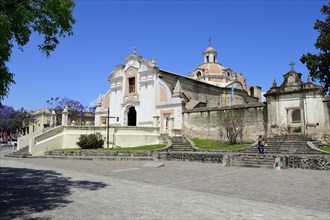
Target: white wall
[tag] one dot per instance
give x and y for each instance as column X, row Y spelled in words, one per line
column 63, row 137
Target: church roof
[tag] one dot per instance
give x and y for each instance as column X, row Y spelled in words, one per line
column 213, row 68
column 210, row 49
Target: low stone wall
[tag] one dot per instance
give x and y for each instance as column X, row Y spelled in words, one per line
column 192, row 156
column 104, row 153
column 312, row 162
column 309, row 162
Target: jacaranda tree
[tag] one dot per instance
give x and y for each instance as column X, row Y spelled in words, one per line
column 13, row 121
column 74, row 107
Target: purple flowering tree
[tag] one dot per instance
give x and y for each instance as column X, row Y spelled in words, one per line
column 75, row 108
column 13, row 121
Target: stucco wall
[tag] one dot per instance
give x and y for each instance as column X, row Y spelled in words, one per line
column 67, row 136
column 205, row 122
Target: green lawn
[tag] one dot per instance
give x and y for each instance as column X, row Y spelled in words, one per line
column 326, row 148
column 215, row 145
column 140, row 148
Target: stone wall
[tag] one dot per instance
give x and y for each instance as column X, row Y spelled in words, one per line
column 311, row 162
column 205, row 122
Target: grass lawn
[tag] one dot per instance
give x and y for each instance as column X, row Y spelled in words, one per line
column 140, row 148
column 326, row 148
column 215, row 145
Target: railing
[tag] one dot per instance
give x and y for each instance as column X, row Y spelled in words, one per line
column 25, row 140
column 48, row 134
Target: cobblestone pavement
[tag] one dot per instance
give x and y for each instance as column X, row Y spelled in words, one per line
column 73, row 189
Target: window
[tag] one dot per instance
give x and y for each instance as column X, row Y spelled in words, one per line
column 198, row 74
column 296, row 115
column 103, row 121
column 207, row 58
column 131, row 85
column 252, row 91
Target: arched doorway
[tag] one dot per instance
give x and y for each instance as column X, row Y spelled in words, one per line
column 131, row 116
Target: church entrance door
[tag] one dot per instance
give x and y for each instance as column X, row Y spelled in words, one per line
column 131, row 116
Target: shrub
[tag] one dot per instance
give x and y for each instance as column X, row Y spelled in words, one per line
column 297, row 130
column 90, row 141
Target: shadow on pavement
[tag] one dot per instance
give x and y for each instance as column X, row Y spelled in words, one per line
column 26, row 191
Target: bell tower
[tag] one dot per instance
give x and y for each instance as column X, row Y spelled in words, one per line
column 210, row 54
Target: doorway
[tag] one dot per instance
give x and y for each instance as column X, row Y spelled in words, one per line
column 131, row 116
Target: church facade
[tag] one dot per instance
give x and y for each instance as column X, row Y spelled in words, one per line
column 141, row 94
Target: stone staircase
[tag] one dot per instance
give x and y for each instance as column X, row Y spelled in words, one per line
column 22, row 153
column 180, row 143
column 285, row 145
column 253, row 160
column 277, row 146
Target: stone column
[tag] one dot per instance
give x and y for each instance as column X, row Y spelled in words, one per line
column 53, row 119
column 65, row 116
column 156, row 121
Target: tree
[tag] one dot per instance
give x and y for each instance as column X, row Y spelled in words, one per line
column 319, row 64
column 232, row 121
column 75, row 108
column 19, row 18
column 13, row 121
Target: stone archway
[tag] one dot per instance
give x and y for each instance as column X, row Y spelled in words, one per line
column 131, row 116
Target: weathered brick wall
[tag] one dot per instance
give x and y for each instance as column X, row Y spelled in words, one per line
column 205, row 122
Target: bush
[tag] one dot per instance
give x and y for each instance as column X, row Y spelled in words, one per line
column 90, row 141
column 297, row 130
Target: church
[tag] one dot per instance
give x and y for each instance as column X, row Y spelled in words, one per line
column 142, row 94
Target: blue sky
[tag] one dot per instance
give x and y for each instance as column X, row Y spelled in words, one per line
column 256, row 38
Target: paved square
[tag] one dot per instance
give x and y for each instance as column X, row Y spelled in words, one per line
column 73, row 189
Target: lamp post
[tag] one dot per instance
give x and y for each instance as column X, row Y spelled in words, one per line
column 108, row 127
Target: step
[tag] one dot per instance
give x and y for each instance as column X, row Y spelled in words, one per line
column 96, row 158
column 252, row 165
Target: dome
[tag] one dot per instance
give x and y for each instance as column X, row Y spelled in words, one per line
column 210, row 49
column 213, row 68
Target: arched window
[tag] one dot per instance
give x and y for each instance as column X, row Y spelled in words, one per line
column 198, row 74
column 296, row 115
column 252, row 91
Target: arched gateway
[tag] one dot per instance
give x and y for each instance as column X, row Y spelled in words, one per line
column 131, row 116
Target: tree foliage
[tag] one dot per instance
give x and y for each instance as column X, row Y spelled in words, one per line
column 13, row 121
column 232, row 121
column 74, row 107
column 19, row 18
column 319, row 64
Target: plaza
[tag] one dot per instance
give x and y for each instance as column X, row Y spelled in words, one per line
column 76, row 189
